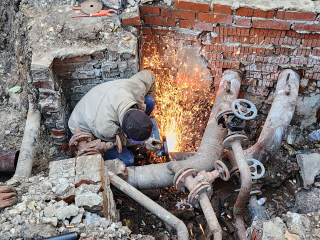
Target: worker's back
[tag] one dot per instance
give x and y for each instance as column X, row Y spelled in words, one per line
column 101, row 110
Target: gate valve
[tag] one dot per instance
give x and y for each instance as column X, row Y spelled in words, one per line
column 244, row 109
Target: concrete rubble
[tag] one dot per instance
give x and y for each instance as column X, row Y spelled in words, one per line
column 309, row 167
column 290, row 226
column 42, row 212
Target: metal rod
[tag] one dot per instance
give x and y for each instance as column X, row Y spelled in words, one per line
column 278, row 119
column 210, row 150
column 244, row 194
column 210, row 216
column 156, row 209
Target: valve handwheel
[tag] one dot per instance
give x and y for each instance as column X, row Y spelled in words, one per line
column 244, row 109
column 256, row 167
column 117, row 143
column 224, row 173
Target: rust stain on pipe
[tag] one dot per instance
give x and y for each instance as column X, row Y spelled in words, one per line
column 156, row 209
column 278, row 119
column 158, row 175
column 8, row 161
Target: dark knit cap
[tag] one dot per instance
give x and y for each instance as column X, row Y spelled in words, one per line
column 137, row 125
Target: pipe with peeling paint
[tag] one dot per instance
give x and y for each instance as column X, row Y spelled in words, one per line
column 210, row 150
column 29, row 140
column 279, row 117
column 156, row 209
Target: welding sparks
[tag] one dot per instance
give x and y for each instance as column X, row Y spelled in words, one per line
column 201, row 229
column 191, row 232
column 183, row 96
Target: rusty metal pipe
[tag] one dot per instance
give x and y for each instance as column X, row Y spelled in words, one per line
column 8, row 161
column 279, row 117
column 244, row 194
column 29, row 141
column 158, row 175
column 156, row 209
column 211, row 218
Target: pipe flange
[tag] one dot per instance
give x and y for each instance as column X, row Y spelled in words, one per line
column 77, row 138
column 181, row 176
column 227, row 142
column 203, row 187
column 220, row 118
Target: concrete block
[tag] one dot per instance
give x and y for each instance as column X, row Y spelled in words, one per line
column 62, row 168
column 309, row 167
column 89, row 169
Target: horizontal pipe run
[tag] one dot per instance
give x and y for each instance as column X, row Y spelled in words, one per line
column 210, row 150
column 153, row 207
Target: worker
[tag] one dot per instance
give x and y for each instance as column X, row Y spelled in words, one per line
column 119, row 107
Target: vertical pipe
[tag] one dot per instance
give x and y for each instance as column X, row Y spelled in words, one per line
column 244, row 194
column 153, row 207
column 210, row 216
column 279, row 117
column 28, row 144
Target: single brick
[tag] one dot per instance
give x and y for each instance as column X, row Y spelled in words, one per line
column 271, row 24
column 63, row 68
column 223, row 9
column 246, row 12
column 263, row 14
column 314, row 27
column 243, row 22
column 197, row 7
column 44, row 84
column 164, row 32
column 298, row 16
column 146, row 10
column 58, row 132
column 146, row 31
column 316, row 52
column 131, row 18
column 215, row 18
column 160, row 21
column 196, row 25
column 84, row 58
column 178, row 14
column 151, row 38
column 220, row 39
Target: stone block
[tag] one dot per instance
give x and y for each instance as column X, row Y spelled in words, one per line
column 90, row 201
column 309, row 167
column 89, row 169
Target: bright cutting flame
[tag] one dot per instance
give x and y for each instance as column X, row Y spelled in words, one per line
column 183, row 96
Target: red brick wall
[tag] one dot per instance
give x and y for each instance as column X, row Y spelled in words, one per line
column 257, row 42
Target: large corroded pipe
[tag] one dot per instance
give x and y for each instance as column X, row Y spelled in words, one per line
column 156, row 209
column 158, row 175
column 279, row 117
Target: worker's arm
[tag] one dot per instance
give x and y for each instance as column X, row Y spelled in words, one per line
column 148, row 79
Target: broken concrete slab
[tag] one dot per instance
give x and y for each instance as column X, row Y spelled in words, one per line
column 274, row 229
column 88, row 169
column 67, row 212
column 307, row 201
column 297, row 224
column 309, row 167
